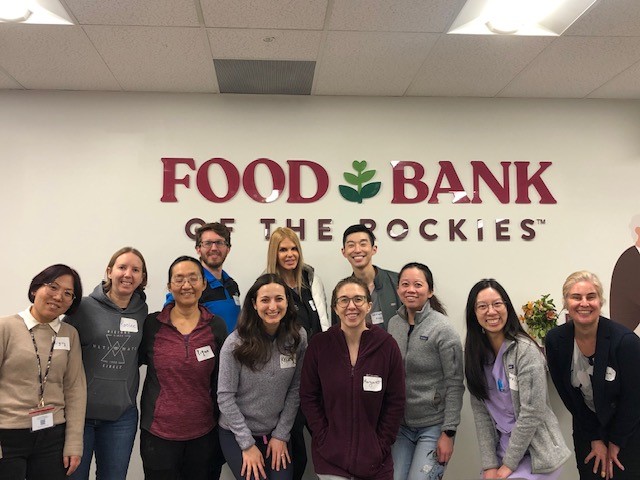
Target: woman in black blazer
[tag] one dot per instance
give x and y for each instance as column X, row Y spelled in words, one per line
column 594, row 365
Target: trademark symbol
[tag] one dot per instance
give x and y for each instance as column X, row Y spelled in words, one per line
column 541, row 221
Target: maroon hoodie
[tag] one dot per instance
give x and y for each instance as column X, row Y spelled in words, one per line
column 354, row 413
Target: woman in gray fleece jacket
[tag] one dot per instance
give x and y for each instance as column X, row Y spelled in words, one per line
column 432, row 355
column 259, row 383
column 518, row 433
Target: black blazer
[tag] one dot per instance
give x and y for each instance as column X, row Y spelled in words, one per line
column 615, row 381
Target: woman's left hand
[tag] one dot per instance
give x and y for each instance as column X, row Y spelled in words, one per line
column 71, row 463
column 444, row 448
column 277, row 449
column 504, row 472
column 614, row 450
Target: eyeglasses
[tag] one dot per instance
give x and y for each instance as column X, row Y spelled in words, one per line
column 53, row 288
column 358, row 301
column 484, row 307
column 191, row 280
column 211, row 243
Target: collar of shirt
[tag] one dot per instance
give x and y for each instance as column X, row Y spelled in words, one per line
column 31, row 322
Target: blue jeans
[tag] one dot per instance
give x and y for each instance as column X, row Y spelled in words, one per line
column 112, row 442
column 414, row 454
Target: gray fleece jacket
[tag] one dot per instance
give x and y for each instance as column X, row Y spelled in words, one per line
column 536, row 430
column 433, row 364
column 261, row 402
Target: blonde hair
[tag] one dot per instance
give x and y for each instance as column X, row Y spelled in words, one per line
column 112, row 262
column 278, row 235
column 582, row 276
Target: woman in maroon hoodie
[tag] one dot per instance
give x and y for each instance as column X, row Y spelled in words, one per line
column 352, row 391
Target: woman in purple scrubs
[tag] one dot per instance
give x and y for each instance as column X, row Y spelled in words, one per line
column 518, row 433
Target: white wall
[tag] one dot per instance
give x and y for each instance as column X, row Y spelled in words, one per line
column 82, row 176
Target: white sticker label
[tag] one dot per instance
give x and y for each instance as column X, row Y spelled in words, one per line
column 128, row 325
column 204, row 353
column 236, row 299
column 372, row 383
column 287, row 362
column 513, row 382
column 40, row 422
column 62, row 343
column 377, row 318
column 312, row 305
column 610, row 374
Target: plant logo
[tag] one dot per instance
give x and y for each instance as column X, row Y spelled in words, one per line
column 363, row 189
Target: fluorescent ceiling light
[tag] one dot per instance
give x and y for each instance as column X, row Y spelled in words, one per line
column 518, row 17
column 34, row 11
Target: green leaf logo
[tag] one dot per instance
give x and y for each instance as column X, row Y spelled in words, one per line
column 363, row 189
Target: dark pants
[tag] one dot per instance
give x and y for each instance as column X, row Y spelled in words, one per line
column 298, row 447
column 629, row 456
column 218, row 457
column 233, row 455
column 32, row 455
column 177, row 459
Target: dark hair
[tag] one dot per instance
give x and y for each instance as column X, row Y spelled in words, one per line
column 435, row 303
column 49, row 274
column 186, row 258
column 357, row 228
column 254, row 349
column 216, row 227
column 477, row 349
column 112, row 262
column 346, row 281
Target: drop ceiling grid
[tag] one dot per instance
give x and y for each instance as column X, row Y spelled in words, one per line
column 177, row 13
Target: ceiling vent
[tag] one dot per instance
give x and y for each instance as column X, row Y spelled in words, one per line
column 269, row 77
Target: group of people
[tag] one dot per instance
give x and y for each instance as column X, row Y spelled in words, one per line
column 377, row 378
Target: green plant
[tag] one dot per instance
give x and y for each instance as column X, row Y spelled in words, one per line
column 540, row 316
column 364, row 189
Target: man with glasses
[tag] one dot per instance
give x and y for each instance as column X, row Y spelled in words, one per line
column 222, row 295
column 358, row 247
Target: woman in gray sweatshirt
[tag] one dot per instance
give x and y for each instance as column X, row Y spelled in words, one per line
column 259, row 382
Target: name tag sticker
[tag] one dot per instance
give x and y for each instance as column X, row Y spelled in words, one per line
column 610, row 374
column 128, row 325
column 62, row 343
column 376, row 318
column 372, row 383
column 513, row 382
column 287, row 362
column 236, row 299
column 204, row 353
column 312, row 305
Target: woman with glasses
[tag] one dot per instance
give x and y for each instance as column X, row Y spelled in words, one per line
column 352, row 391
column 258, row 389
column 180, row 346
column 284, row 258
column 594, row 365
column 432, row 355
column 518, row 433
column 43, row 392
column 109, row 322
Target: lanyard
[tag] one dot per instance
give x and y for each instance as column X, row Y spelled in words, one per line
column 43, row 380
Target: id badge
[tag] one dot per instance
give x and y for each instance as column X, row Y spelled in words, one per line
column 41, row 418
column 377, row 318
column 372, row 383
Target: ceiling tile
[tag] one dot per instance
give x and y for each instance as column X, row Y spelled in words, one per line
column 624, row 85
column 370, row 63
column 7, row 82
column 609, row 18
column 53, row 57
column 394, row 15
column 477, row 66
column 168, row 59
column 251, row 45
column 135, row 12
column 284, row 14
column 572, row 67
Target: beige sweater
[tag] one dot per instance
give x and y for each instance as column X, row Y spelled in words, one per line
column 65, row 389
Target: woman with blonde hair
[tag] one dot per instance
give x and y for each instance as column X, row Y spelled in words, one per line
column 284, row 258
column 594, row 365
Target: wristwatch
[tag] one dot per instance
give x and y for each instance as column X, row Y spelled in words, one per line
column 450, row 433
